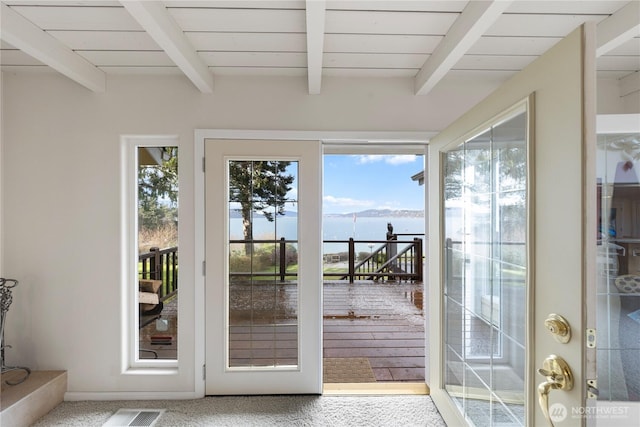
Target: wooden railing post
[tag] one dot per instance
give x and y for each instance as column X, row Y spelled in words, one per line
column 392, row 251
column 283, row 259
column 144, row 273
column 174, row 261
column 155, row 263
column 418, row 270
column 352, row 259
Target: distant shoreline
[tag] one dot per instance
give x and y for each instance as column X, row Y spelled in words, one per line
column 369, row 213
column 380, row 213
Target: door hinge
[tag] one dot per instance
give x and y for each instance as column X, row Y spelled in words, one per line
column 204, row 268
column 204, row 163
column 591, row 338
column 204, row 372
column 592, row 389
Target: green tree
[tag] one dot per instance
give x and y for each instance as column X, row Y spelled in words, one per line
column 453, row 174
column 158, row 189
column 261, row 187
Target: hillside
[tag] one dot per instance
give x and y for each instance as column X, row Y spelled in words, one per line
column 382, row 213
column 369, row 213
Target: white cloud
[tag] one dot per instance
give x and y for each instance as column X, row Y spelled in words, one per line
column 346, row 201
column 399, row 160
column 391, row 160
column 372, row 158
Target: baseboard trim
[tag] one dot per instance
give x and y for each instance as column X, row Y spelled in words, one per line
column 72, row 396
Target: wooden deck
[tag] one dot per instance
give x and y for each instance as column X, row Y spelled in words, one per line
column 382, row 322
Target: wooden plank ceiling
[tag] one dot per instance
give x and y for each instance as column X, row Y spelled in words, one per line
column 423, row 40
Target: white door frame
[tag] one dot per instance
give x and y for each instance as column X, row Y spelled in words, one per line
column 333, row 141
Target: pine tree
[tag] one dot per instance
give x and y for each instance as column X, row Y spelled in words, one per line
column 259, row 187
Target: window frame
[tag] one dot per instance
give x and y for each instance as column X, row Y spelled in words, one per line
column 131, row 363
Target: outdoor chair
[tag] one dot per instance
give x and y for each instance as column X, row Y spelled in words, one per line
column 150, row 307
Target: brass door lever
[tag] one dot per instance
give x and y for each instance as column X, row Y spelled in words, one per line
column 559, row 377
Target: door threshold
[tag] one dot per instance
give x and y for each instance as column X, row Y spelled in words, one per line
column 375, row 388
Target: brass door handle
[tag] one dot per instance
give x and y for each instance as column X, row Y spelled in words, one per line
column 559, row 377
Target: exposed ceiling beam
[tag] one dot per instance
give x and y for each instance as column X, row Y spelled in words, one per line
column 155, row 19
column 315, row 43
column 618, row 28
column 24, row 35
column 472, row 23
column 630, row 84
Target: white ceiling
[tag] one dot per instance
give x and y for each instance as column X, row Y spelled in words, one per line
column 424, row 40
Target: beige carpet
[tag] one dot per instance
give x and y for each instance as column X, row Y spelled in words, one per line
column 261, row 411
column 348, row 370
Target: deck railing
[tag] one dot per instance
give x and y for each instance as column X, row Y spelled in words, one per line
column 161, row 264
column 392, row 260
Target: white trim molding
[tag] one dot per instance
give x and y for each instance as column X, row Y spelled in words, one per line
column 74, row 396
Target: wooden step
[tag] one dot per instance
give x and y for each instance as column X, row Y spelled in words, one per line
column 25, row 403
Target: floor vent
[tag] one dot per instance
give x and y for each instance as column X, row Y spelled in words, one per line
column 134, row 417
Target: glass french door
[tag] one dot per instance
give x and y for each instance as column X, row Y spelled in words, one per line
column 263, row 267
column 486, row 198
column 507, row 228
column 616, row 315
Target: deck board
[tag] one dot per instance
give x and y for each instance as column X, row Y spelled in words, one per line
column 383, row 322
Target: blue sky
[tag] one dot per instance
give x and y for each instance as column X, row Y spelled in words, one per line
column 354, row 183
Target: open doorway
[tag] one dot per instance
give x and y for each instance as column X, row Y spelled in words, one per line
column 373, row 257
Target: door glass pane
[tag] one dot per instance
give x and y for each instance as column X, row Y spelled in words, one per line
column 262, row 265
column 485, row 224
column 618, row 265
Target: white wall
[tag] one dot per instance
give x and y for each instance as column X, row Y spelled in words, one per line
column 1, row 180
column 631, row 103
column 61, row 170
column 611, row 100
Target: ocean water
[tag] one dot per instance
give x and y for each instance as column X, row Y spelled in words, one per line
column 335, row 228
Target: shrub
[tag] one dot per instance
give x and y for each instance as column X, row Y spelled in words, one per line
column 164, row 236
column 266, row 257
